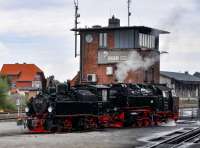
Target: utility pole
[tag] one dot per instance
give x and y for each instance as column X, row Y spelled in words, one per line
column 129, row 13
column 77, row 15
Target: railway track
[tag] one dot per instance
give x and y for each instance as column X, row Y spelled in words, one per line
column 190, row 137
column 7, row 116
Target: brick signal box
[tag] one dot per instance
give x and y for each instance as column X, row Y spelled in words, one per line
column 102, row 48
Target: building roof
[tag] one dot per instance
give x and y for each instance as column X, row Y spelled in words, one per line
column 140, row 28
column 197, row 74
column 26, row 72
column 183, row 77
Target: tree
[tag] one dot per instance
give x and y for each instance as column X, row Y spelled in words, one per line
column 4, row 88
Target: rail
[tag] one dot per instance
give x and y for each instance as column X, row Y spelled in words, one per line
column 179, row 140
column 8, row 116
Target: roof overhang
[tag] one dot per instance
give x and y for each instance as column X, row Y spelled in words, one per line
column 189, row 82
column 181, row 81
column 140, row 28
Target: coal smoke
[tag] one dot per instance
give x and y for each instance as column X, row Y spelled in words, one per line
column 134, row 62
column 172, row 23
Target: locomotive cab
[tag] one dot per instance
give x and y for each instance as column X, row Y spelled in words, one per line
column 103, row 94
column 165, row 99
column 62, row 89
column 101, row 91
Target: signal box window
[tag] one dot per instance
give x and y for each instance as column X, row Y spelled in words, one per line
column 103, row 40
column 146, row 41
column 124, row 39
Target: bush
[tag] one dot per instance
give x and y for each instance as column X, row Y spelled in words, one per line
column 4, row 88
column 23, row 100
column 5, row 102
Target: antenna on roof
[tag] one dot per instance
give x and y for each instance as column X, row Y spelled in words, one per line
column 129, row 13
column 77, row 15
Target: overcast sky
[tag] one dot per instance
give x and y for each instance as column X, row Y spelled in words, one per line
column 39, row 31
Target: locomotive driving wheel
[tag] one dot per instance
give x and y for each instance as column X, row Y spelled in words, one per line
column 146, row 122
column 92, row 122
column 68, row 124
column 139, row 123
column 89, row 123
column 29, row 124
column 49, row 125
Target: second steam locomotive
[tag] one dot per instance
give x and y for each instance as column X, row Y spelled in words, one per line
column 66, row 108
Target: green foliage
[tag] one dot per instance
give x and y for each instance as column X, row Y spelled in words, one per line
column 24, row 101
column 10, row 105
column 3, row 92
column 5, row 102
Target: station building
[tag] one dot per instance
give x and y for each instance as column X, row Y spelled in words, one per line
column 102, row 48
column 25, row 79
column 185, row 85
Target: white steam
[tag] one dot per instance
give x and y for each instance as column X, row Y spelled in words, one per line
column 135, row 61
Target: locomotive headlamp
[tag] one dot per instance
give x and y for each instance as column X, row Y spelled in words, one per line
column 133, row 92
column 134, row 113
column 50, row 109
column 115, row 109
column 164, row 94
column 26, row 109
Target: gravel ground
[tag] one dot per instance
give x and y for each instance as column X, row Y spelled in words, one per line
column 13, row 136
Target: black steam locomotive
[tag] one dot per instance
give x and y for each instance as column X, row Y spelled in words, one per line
column 95, row 106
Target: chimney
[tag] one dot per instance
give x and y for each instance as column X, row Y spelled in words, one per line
column 96, row 26
column 114, row 22
column 186, row 72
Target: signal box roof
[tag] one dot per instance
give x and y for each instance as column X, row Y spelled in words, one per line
column 140, row 28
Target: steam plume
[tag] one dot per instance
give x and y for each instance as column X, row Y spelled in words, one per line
column 135, row 61
column 172, row 23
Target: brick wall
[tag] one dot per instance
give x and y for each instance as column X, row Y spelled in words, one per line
column 90, row 65
column 23, row 84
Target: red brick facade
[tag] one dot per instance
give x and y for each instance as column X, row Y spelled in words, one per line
column 91, row 66
column 121, row 41
column 24, row 77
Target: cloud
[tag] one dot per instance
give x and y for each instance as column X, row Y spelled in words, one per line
column 47, row 22
column 39, row 31
column 179, row 61
column 6, row 55
column 3, row 50
column 31, row 4
column 54, row 56
column 63, row 70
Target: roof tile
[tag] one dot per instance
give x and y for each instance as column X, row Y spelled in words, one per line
column 180, row 76
column 26, row 72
